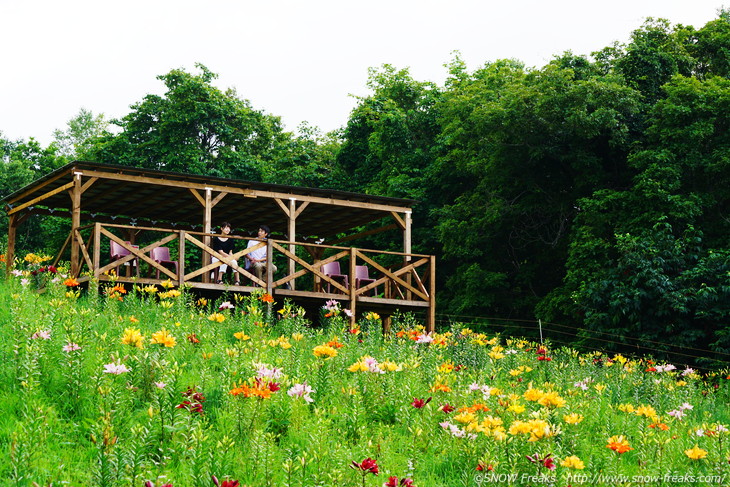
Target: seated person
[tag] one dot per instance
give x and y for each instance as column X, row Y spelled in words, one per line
column 257, row 259
column 224, row 246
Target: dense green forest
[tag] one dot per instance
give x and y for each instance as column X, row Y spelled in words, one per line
column 588, row 192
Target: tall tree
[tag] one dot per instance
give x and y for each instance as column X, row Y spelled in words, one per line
column 390, row 143
column 22, row 162
column 652, row 261
column 525, row 146
column 391, row 135
column 73, row 142
column 307, row 159
column 194, row 128
column 657, row 51
column 711, row 47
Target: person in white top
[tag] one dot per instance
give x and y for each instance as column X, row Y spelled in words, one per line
column 257, row 259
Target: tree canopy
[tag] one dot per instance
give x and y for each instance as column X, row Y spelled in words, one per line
column 194, row 128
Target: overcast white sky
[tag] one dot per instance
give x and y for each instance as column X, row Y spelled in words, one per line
column 300, row 60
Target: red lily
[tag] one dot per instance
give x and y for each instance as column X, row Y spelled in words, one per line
column 546, row 462
column 419, row 403
column 447, row 408
column 366, row 466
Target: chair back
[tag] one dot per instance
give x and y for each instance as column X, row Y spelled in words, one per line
column 160, row 254
column 116, row 251
column 362, row 272
column 331, row 268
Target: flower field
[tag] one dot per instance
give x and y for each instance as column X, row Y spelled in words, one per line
column 152, row 386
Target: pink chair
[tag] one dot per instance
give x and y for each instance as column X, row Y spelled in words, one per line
column 161, row 255
column 332, row 270
column 362, row 278
column 116, row 252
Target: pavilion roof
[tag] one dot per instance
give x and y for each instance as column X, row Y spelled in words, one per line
column 123, row 194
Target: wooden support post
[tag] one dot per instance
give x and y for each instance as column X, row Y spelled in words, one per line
column 269, row 268
column 75, row 224
column 431, row 317
column 292, row 238
column 207, row 214
column 96, row 249
column 181, row 259
column 130, row 235
column 407, row 249
column 407, row 236
column 353, row 295
column 387, row 322
column 388, row 288
column 10, row 254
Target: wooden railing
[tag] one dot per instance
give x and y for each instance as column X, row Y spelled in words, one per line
column 399, row 282
column 400, row 278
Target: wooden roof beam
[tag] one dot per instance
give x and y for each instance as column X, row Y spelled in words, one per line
column 54, row 192
column 398, row 220
column 33, row 189
column 91, row 200
column 197, row 196
column 244, row 191
column 88, row 184
column 218, row 198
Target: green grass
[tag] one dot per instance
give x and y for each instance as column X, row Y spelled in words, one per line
column 63, row 420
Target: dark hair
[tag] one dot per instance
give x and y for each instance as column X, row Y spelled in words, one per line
column 225, row 224
column 266, row 229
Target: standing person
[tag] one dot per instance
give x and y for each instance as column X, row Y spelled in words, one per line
column 224, row 246
column 258, row 258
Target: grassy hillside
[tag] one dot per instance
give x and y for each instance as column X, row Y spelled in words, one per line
column 150, row 385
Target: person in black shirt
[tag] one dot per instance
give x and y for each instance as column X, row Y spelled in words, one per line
column 224, row 246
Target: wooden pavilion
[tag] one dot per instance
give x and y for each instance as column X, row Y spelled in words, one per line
column 139, row 210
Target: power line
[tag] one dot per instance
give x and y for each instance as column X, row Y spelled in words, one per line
column 482, row 320
column 599, row 331
column 638, row 339
column 644, row 348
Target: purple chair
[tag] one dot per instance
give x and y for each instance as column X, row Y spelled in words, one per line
column 362, row 278
column 161, row 255
column 116, row 252
column 332, row 270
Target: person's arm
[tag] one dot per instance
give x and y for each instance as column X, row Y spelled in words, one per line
column 263, row 258
column 226, row 248
column 249, row 257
